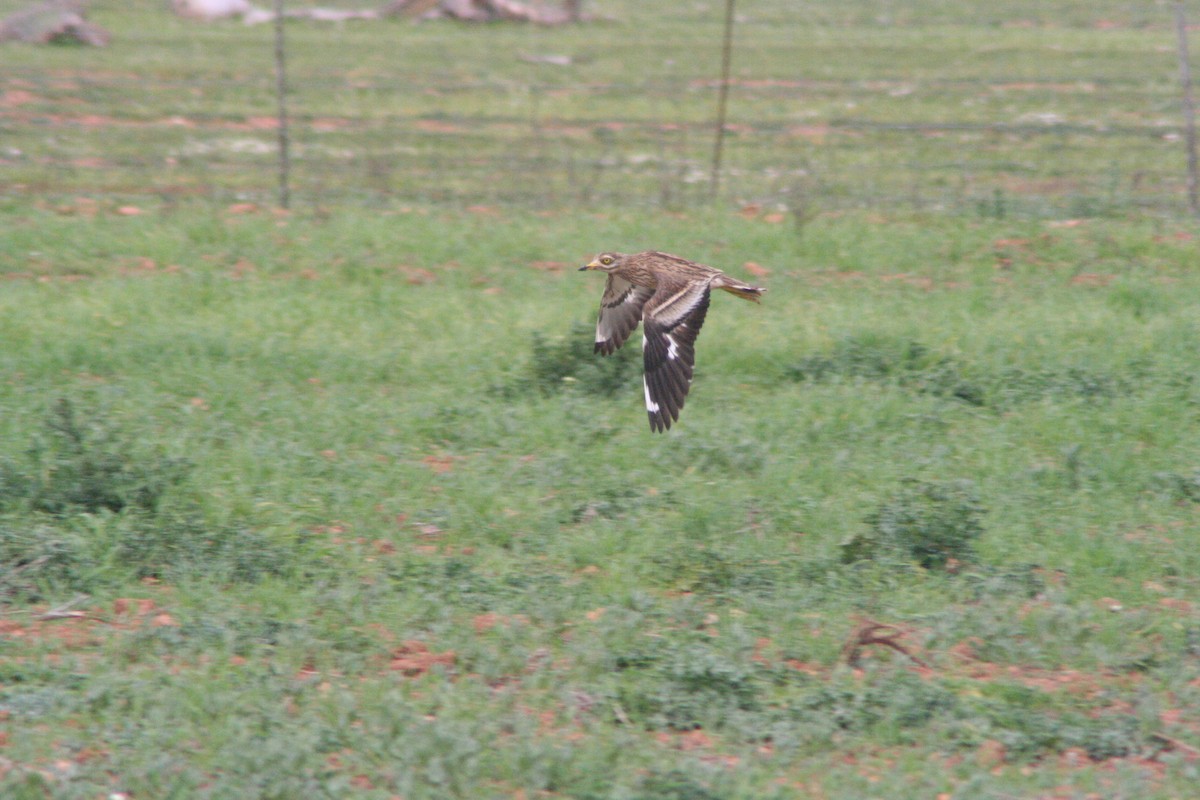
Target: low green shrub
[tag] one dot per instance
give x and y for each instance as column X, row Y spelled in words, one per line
column 86, row 507
column 929, row 522
column 1177, row 487
column 86, row 464
column 913, row 366
column 557, row 363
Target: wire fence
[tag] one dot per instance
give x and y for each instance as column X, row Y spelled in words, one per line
column 603, row 116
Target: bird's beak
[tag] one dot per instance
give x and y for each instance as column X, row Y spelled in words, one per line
column 590, row 265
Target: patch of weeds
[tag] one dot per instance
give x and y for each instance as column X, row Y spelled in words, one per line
column 689, row 686
column 1105, row 736
column 25, row 785
column 243, row 637
column 538, row 586
column 946, row 377
column 453, row 581
column 901, row 701
column 879, row 358
column 929, row 522
column 617, row 502
column 609, row 503
column 673, row 785
column 1191, row 642
column 180, row 542
column 456, row 582
column 36, row 702
column 1028, row 732
column 86, row 465
column 88, row 508
column 911, row 365
column 1072, row 474
column 85, row 552
column 710, row 571
column 869, row 356
column 993, row 206
column 243, row 554
column 889, row 704
column 1142, row 301
column 741, row 457
column 896, row 703
column 1017, row 385
column 1176, row 487
column 1019, row 580
column 635, row 659
column 560, row 362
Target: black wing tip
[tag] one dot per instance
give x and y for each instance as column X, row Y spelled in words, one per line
column 604, row 348
column 660, row 421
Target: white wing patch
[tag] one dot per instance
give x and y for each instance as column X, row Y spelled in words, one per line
column 651, row 406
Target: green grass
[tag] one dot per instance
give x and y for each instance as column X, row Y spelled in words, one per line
column 371, row 454
column 338, row 503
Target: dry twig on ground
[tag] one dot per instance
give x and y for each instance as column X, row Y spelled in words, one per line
column 869, row 632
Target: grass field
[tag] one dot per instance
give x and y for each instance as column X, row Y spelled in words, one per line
column 338, row 503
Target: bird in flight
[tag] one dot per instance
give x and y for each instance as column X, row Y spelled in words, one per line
column 669, row 296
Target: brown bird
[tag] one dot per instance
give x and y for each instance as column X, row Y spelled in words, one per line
column 669, row 295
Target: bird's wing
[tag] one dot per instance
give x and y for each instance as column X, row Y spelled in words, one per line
column 672, row 320
column 620, row 312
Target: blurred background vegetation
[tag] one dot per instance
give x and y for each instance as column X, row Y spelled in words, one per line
column 1012, row 107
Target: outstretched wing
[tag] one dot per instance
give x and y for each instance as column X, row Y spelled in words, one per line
column 672, row 320
column 620, row 312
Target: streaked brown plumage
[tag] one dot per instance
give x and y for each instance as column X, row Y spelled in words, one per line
column 669, row 295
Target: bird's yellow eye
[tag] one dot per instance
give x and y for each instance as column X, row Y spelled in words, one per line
column 606, row 260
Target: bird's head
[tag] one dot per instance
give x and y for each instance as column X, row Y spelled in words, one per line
column 605, row 262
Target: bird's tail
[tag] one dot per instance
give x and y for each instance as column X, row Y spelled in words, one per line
column 742, row 290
